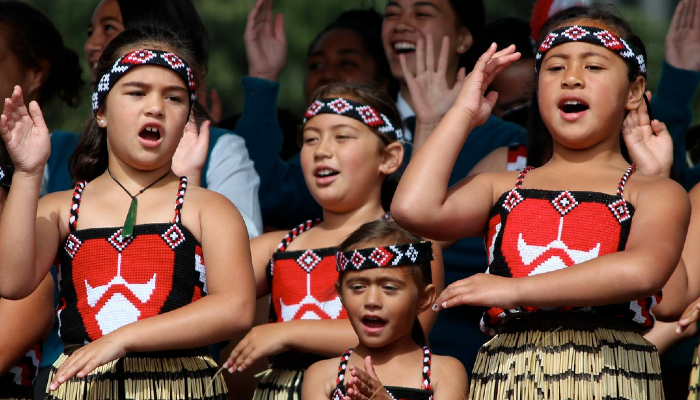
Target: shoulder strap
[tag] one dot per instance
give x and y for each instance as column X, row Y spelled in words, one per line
column 75, row 205
column 427, row 361
column 623, row 180
column 521, row 177
column 296, row 232
column 343, row 367
column 180, row 199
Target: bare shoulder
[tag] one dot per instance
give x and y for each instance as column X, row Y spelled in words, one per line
column 641, row 188
column 268, row 241
column 320, row 379
column 449, row 376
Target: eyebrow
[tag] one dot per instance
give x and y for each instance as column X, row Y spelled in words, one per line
column 104, row 20
column 416, row 4
column 341, row 51
column 582, row 55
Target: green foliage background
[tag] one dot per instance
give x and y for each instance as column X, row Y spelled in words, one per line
column 225, row 20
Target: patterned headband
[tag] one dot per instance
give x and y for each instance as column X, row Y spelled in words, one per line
column 389, row 256
column 137, row 58
column 361, row 112
column 600, row 37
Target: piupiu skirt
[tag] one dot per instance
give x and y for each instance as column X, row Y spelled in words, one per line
column 279, row 384
column 694, row 384
column 557, row 356
column 176, row 375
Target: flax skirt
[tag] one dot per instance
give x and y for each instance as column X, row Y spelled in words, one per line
column 694, row 387
column 280, row 384
column 141, row 377
column 566, row 361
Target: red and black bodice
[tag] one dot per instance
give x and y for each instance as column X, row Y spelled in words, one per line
column 534, row 231
column 396, row 392
column 302, row 282
column 108, row 281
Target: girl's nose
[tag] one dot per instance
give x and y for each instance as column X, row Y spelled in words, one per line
column 572, row 80
column 154, row 108
column 323, row 149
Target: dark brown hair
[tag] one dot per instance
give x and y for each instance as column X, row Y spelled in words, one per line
column 386, row 232
column 90, row 158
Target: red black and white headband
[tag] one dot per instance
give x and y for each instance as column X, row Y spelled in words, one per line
column 138, row 58
column 601, row 37
column 361, row 112
column 388, row 256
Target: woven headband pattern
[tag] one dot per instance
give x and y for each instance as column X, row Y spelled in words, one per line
column 600, row 37
column 361, row 112
column 137, row 58
column 388, row 256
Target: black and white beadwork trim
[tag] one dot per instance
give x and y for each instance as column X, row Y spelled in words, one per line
column 361, row 112
column 389, row 256
column 137, row 58
column 597, row 36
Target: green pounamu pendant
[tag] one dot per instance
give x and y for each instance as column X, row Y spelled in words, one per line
column 128, row 229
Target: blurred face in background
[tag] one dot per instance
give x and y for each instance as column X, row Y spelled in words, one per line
column 106, row 23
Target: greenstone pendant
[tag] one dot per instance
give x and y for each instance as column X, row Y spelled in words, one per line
column 128, row 229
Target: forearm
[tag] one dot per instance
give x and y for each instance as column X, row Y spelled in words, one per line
column 423, row 130
column 212, row 319
column 610, row 279
column 328, row 338
column 422, row 190
column 18, row 237
column 676, row 295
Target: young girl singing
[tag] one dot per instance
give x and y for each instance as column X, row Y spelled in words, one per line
column 350, row 145
column 384, row 288
column 138, row 306
column 570, row 326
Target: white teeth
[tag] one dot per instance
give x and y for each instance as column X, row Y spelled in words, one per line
column 152, row 129
column 571, row 103
column 325, row 172
column 404, row 46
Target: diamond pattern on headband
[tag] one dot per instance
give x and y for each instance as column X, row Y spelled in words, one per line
column 137, row 58
column 597, row 36
column 384, row 256
column 361, row 112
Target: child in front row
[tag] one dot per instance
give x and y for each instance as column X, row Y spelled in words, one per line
column 143, row 296
column 385, row 282
column 590, row 241
column 350, row 148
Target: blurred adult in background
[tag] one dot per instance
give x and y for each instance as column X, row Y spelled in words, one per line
column 33, row 56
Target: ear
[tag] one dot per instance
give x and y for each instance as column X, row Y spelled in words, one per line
column 636, row 91
column 100, row 118
column 465, row 40
column 338, row 289
column 392, row 158
column 34, row 78
column 427, row 298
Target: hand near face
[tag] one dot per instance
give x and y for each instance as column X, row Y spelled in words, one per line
column 431, row 95
column 25, row 134
column 265, row 42
column 690, row 316
column 191, row 153
column 473, row 98
column 87, row 358
column 479, row 290
column 364, row 385
column 649, row 143
column 262, row 341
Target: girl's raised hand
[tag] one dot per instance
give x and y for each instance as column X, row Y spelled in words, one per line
column 473, row 98
column 265, row 42
column 87, row 358
column 364, row 385
column 191, row 153
column 25, row 134
column 649, row 143
column 431, row 95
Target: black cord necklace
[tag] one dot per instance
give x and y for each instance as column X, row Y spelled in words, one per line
column 128, row 229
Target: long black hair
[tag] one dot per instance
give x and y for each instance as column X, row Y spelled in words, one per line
column 90, row 158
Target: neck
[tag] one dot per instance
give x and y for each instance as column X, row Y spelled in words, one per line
column 384, row 354
column 352, row 219
column 135, row 179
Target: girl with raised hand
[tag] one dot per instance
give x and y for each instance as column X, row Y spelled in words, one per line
column 384, row 288
column 571, row 325
column 132, row 289
column 350, row 147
